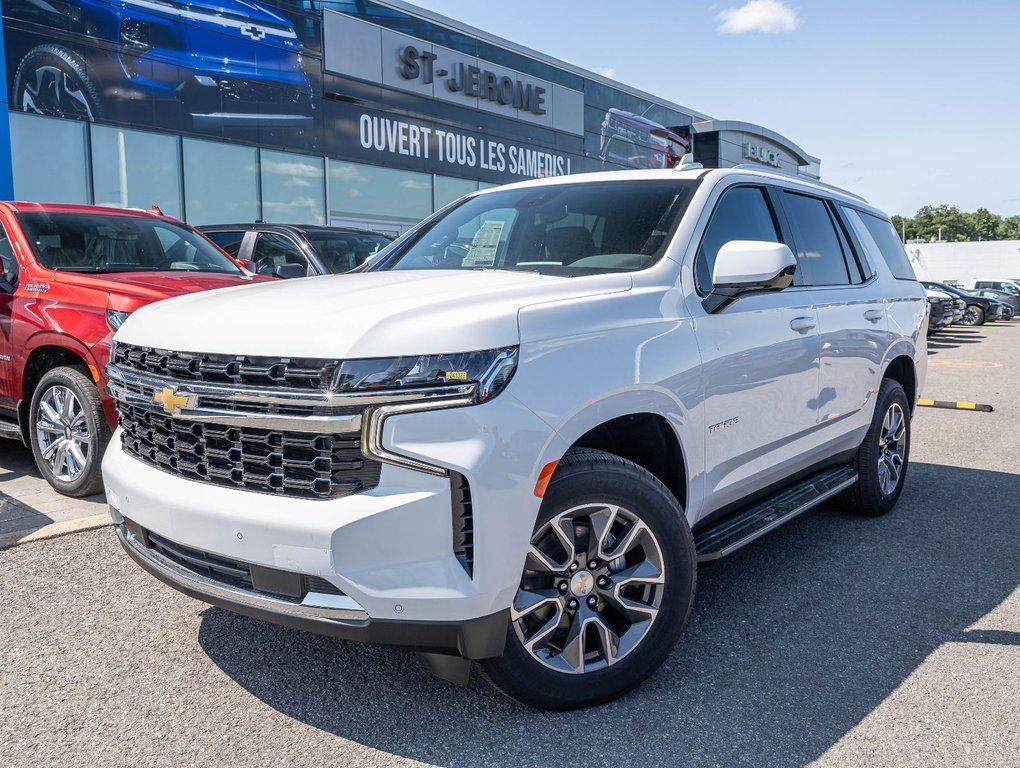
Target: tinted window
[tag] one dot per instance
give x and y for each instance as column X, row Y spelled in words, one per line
column 90, row 242
column 8, row 260
column 564, row 229
column 820, row 257
column 888, row 242
column 272, row 251
column 343, row 251
column 228, row 241
column 743, row 213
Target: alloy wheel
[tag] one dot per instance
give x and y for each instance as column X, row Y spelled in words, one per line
column 62, row 433
column 970, row 316
column 592, row 587
column 892, row 442
column 50, row 90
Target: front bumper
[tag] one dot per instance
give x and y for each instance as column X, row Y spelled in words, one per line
column 326, row 614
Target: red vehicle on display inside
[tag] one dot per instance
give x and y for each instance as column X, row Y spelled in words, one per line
column 632, row 141
column 71, row 276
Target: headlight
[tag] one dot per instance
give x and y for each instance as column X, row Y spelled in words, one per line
column 116, row 319
column 489, row 371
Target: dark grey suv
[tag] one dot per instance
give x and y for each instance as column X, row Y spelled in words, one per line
column 293, row 250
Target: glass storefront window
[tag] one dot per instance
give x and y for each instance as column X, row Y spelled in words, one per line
column 48, row 156
column 135, row 169
column 220, row 185
column 293, row 188
column 449, row 189
column 370, row 191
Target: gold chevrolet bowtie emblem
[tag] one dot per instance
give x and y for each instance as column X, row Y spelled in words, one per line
column 170, row 400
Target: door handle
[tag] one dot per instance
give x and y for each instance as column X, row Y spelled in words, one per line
column 802, row 323
column 874, row 315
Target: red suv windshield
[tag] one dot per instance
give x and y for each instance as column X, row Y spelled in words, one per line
column 97, row 242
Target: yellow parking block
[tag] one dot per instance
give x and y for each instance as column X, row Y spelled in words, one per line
column 954, row 405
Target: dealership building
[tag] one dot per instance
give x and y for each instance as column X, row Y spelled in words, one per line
column 361, row 113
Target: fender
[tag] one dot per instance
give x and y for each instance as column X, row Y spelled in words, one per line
column 54, row 339
column 644, row 399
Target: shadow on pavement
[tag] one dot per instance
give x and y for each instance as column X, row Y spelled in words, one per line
column 792, row 642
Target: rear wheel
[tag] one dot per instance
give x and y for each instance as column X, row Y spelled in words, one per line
column 68, row 431
column 881, row 462
column 607, row 587
column 51, row 80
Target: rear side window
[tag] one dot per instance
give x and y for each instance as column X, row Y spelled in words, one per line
column 228, row 241
column 742, row 213
column 820, row 256
column 880, row 232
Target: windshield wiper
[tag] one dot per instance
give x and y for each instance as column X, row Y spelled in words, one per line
column 92, row 270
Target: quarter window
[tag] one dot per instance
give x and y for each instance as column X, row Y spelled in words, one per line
column 878, row 234
column 820, row 256
column 228, row 241
column 743, row 213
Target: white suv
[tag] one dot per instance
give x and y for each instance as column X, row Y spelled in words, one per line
column 511, row 440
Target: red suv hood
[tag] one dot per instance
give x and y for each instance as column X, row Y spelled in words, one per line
column 146, row 287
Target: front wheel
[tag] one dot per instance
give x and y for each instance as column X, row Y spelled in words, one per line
column 881, row 462
column 68, row 432
column 52, row 80
column 973, row 315
column 607, row 587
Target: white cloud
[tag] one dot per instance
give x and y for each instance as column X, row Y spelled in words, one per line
column 609, row 72
column 412, row 184
column 768, row 16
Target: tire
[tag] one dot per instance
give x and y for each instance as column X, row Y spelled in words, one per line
column 973, row 316
column 872, row 494
column 51, row 80
column 62, row 437
column 646, row 536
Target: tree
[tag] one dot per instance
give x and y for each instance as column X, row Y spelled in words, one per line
column 945, row 221
column 1011, row 228
column 984, row 225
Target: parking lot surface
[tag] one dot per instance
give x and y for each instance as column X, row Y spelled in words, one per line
column 835, row 640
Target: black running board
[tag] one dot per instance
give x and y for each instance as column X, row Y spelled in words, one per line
column 741, row 528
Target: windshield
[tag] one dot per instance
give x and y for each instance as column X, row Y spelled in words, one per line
column 566, row 229
column 343, row 251
column 108, row 242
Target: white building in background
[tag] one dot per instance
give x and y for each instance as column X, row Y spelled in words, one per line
column 963, row 262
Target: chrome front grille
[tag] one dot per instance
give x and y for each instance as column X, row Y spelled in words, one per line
column 300, row 464
column 292, row 373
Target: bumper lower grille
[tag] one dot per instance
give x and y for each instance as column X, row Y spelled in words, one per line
column 236, row 573
column 262, row 460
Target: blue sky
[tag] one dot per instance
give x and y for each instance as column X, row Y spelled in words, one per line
column 907, row 102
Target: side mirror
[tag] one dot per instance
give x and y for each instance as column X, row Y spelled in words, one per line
column 749, row 266
column 251, row 266
column 289, row 271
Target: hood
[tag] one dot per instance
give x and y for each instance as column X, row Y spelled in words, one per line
column 129, row 290
column 369, row 314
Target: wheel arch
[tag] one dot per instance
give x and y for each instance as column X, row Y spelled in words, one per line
column 46, row 354
column 901, row 369
column 647, row 427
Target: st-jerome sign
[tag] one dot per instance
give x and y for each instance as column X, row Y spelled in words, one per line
column 471, row 80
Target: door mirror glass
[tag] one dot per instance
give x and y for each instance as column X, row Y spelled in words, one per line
column 753, row 265
column 289, row 271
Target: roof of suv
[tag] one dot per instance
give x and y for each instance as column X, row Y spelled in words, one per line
column 24, row 207
column 714, row 174
column 263, row 227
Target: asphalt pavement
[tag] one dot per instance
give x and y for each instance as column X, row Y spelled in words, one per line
column 835, row 640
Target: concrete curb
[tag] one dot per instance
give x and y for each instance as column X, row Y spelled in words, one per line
column 55, row 529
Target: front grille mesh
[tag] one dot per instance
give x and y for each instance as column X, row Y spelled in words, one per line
column 262, row 460
column 293, row 373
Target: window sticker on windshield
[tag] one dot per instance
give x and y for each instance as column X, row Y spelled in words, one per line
column 482, row 251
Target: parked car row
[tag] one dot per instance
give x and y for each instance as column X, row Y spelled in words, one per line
column 951, row 305
column 73, row 274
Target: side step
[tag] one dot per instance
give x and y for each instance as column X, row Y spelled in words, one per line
column 9, row 429
column 741, row 528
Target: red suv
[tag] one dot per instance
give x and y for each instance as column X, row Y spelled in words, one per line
column 71, row 276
